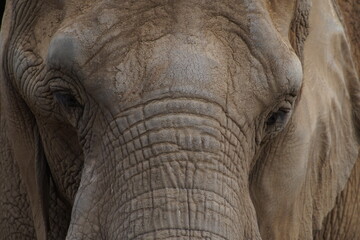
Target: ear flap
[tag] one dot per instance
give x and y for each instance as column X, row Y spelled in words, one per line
column 29, row 156
column 306, row 167
column 330, row 78
column 290, row 17
column 42, row 174
column 282, row 12
column 22, row 130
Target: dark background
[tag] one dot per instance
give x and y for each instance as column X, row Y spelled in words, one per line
column 2, row 8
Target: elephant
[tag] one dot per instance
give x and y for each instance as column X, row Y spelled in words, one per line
column 187, row 119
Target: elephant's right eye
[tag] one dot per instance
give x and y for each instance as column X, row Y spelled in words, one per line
column 69, row 106
column 66, row 99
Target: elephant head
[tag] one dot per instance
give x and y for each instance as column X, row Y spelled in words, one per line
column 177, row 119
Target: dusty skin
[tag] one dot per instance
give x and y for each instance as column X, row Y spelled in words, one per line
column 180, row 119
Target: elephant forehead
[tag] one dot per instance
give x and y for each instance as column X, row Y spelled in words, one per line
column 195, row 66
column 176, row 45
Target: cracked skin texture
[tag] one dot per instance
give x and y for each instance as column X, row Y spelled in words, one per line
column 179, row 120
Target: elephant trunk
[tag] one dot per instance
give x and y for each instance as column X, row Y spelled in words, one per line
column 169, row 169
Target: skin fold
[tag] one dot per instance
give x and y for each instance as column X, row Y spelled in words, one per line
column 179, row 120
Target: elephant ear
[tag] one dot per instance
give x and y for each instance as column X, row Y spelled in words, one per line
column 330, row 102
column 28, row 154
column 21, row 126
column 290, row 17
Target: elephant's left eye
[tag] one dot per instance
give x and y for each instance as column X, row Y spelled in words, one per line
column 278, row 119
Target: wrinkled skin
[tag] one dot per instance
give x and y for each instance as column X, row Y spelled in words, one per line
column 179, row 120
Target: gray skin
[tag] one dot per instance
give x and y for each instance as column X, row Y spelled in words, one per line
column 178, row 120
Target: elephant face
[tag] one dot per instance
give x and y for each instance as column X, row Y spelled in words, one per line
column 162, row 120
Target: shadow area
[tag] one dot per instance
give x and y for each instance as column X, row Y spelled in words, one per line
column 2, row 9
